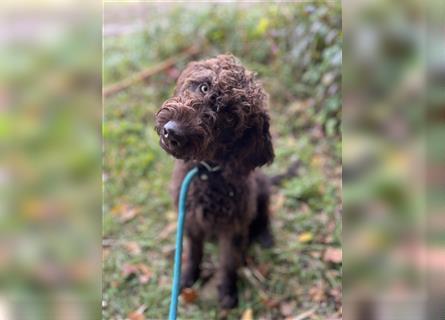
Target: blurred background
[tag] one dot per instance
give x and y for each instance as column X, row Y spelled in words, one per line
column 393, row 152
column 392, row 127
column 295, row 48
column 50, row 133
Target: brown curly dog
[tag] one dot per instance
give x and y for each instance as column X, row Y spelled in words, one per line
column 217, row 120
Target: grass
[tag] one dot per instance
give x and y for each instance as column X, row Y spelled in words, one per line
column 138, row 224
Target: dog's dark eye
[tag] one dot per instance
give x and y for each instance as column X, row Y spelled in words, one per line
column 204, row 88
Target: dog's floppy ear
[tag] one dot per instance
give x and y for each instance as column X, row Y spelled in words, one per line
column 255, row 146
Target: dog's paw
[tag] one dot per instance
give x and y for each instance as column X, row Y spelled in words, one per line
column 266, row 240
column 228, row 301
column 188, row 279
column 228, row 297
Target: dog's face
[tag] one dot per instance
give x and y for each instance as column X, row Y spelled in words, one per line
column 218, row 113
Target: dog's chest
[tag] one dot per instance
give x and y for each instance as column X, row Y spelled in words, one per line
column 215, row 200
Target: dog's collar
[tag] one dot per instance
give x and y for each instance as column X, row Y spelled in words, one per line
column 205, row 170
column 208, row 167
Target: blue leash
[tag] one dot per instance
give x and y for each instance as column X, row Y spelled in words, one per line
column 179, row 233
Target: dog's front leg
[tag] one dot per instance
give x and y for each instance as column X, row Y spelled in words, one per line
column 231, row 253
column 193, row 259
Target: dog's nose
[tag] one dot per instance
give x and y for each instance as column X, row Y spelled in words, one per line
column 173, row 134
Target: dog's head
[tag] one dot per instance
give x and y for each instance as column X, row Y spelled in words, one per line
column 218, row 113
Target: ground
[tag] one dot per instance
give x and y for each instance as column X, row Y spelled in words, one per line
column 296, row 51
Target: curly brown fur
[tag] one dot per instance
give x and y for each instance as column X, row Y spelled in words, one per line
column 218, row 115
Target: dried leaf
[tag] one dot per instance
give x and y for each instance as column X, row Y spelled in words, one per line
column 262, row 26
column 317, row 161
column 189, row 295
column 42, row 210
column 124, row 212
column 145, row 273
column 315, row 254
column 317, row 293
column 133, row 248
column 171, row 215
column 128, row 270
column 167, row 231
column 287, row 308
column 264, row 269
column 336, row 294
column 334, row 255
column 305, row 237
column 247, row 314
column 137, row 314
column 129, row 214
column 271, row 303
column 140, row 270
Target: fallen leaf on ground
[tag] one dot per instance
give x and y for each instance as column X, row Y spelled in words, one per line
column 167, row 231
column 305, row 237
column 287, row 308
column 133, row 248
column 124, row 212
column 140, row 270
column 315, row 254
column 137, row 314
column 247, row 314
column 317, row 293
column 171, row 215
column 334, row 255
column 264, row 269
column 145, row 273
column 128, row 270
column 317, row 161
column 189, row 295
column 271, row 303
column 336, row 294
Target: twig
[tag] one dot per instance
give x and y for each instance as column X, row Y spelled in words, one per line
column 144, row 74
column 253, row 281
column 257, row 274
column 254, row 271
column 304, row 315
